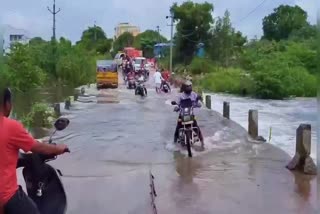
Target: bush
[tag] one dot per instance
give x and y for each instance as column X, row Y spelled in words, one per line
column 76, row 68
column 229, row 80
column 199, row 65
column 279, row 75
column 41, row 115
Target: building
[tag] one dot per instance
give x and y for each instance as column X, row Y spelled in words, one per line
column 126, row 27
column 12, row 35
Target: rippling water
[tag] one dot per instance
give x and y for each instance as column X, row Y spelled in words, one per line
column 282, row 116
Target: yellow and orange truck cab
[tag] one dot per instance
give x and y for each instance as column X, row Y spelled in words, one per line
column 107, row 74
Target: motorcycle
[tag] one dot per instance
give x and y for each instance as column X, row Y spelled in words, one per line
column 43, row 182
column 188, row 134
column 165, row 87
column 141, row 89
column 131, row 82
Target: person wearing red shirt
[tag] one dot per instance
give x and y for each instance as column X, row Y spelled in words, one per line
column 166, row 76
column 13, row 137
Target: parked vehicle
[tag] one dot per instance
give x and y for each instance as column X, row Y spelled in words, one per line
column 106, row 74
column 43, row 182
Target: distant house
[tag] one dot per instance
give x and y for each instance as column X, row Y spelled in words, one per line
column 12, row 35
column 126, row 27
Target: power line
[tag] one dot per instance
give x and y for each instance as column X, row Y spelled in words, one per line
column 252, row 11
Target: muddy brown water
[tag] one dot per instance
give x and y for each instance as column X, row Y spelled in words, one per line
column 117, row 139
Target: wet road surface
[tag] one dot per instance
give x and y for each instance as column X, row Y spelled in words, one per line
column 119, row 137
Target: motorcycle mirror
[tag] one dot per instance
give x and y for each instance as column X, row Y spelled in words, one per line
column 61, row 123
column 173, row 103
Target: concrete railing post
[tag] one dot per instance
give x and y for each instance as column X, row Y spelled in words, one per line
column 226, row 110
column 253, row 124
column 302, row 159
column 76, row 95
column 67, row 104
column 57, row 109
column 208, row 101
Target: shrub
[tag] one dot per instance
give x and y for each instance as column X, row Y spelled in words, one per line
column 229, row 80
column 199, row 65
column 41, row 115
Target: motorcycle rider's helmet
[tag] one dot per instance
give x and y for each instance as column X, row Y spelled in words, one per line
column 188, row 87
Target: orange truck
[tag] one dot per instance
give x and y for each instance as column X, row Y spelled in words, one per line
column 132, row 52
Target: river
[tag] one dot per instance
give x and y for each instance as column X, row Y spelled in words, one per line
column 282, row 116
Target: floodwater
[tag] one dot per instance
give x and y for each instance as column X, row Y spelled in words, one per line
column 282, row 117
column 23, row 102
column 116, row 139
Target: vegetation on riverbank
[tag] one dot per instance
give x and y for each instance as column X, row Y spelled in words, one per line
column 282, row 63
column 41, row 115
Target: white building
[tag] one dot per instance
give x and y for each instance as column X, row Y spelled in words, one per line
column 12, row 35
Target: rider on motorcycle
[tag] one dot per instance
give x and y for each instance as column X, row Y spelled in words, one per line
column 13, row 137
column 188, row 94
column 165, row 78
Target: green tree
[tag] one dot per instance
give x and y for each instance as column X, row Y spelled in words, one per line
column 95, row 39
column 226, row 44
column 23, row 74
column 124, row 40
column 304, row 33
column 146, row 41
column 283, row 21
column 194, row 22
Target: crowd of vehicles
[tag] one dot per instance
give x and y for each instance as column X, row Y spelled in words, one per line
column 135, row 73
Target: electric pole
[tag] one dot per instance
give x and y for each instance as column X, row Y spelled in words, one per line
column 171, row 38
column 95, row 31
column 54, row 13
column 158, row 30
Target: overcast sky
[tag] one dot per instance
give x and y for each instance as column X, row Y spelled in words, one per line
column 77, row 15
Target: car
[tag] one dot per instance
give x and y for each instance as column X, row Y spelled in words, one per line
column 137, row 62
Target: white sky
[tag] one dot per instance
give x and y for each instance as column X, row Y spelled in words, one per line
column 77, row 15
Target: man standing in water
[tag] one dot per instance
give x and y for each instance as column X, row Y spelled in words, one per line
column 157, row 79
column 13, row 137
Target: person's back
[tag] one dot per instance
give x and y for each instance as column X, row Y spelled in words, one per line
column 157, row 77
column 166, row 75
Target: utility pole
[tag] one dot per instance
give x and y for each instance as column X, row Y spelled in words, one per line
column 171, row 38
column 54, row 13
column 95, row 31
column 158, row 30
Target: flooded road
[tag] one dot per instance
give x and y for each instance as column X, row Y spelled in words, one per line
column 116, row 139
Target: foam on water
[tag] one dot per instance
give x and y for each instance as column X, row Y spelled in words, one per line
column 213, row 143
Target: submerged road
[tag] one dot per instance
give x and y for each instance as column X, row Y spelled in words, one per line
column 119, row 137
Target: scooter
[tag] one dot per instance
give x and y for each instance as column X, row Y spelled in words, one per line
column 43, row 182
column 141, row 89
column 165, row 87
column 131, row 82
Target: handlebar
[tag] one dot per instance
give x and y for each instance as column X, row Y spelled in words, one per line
column 67, row 150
